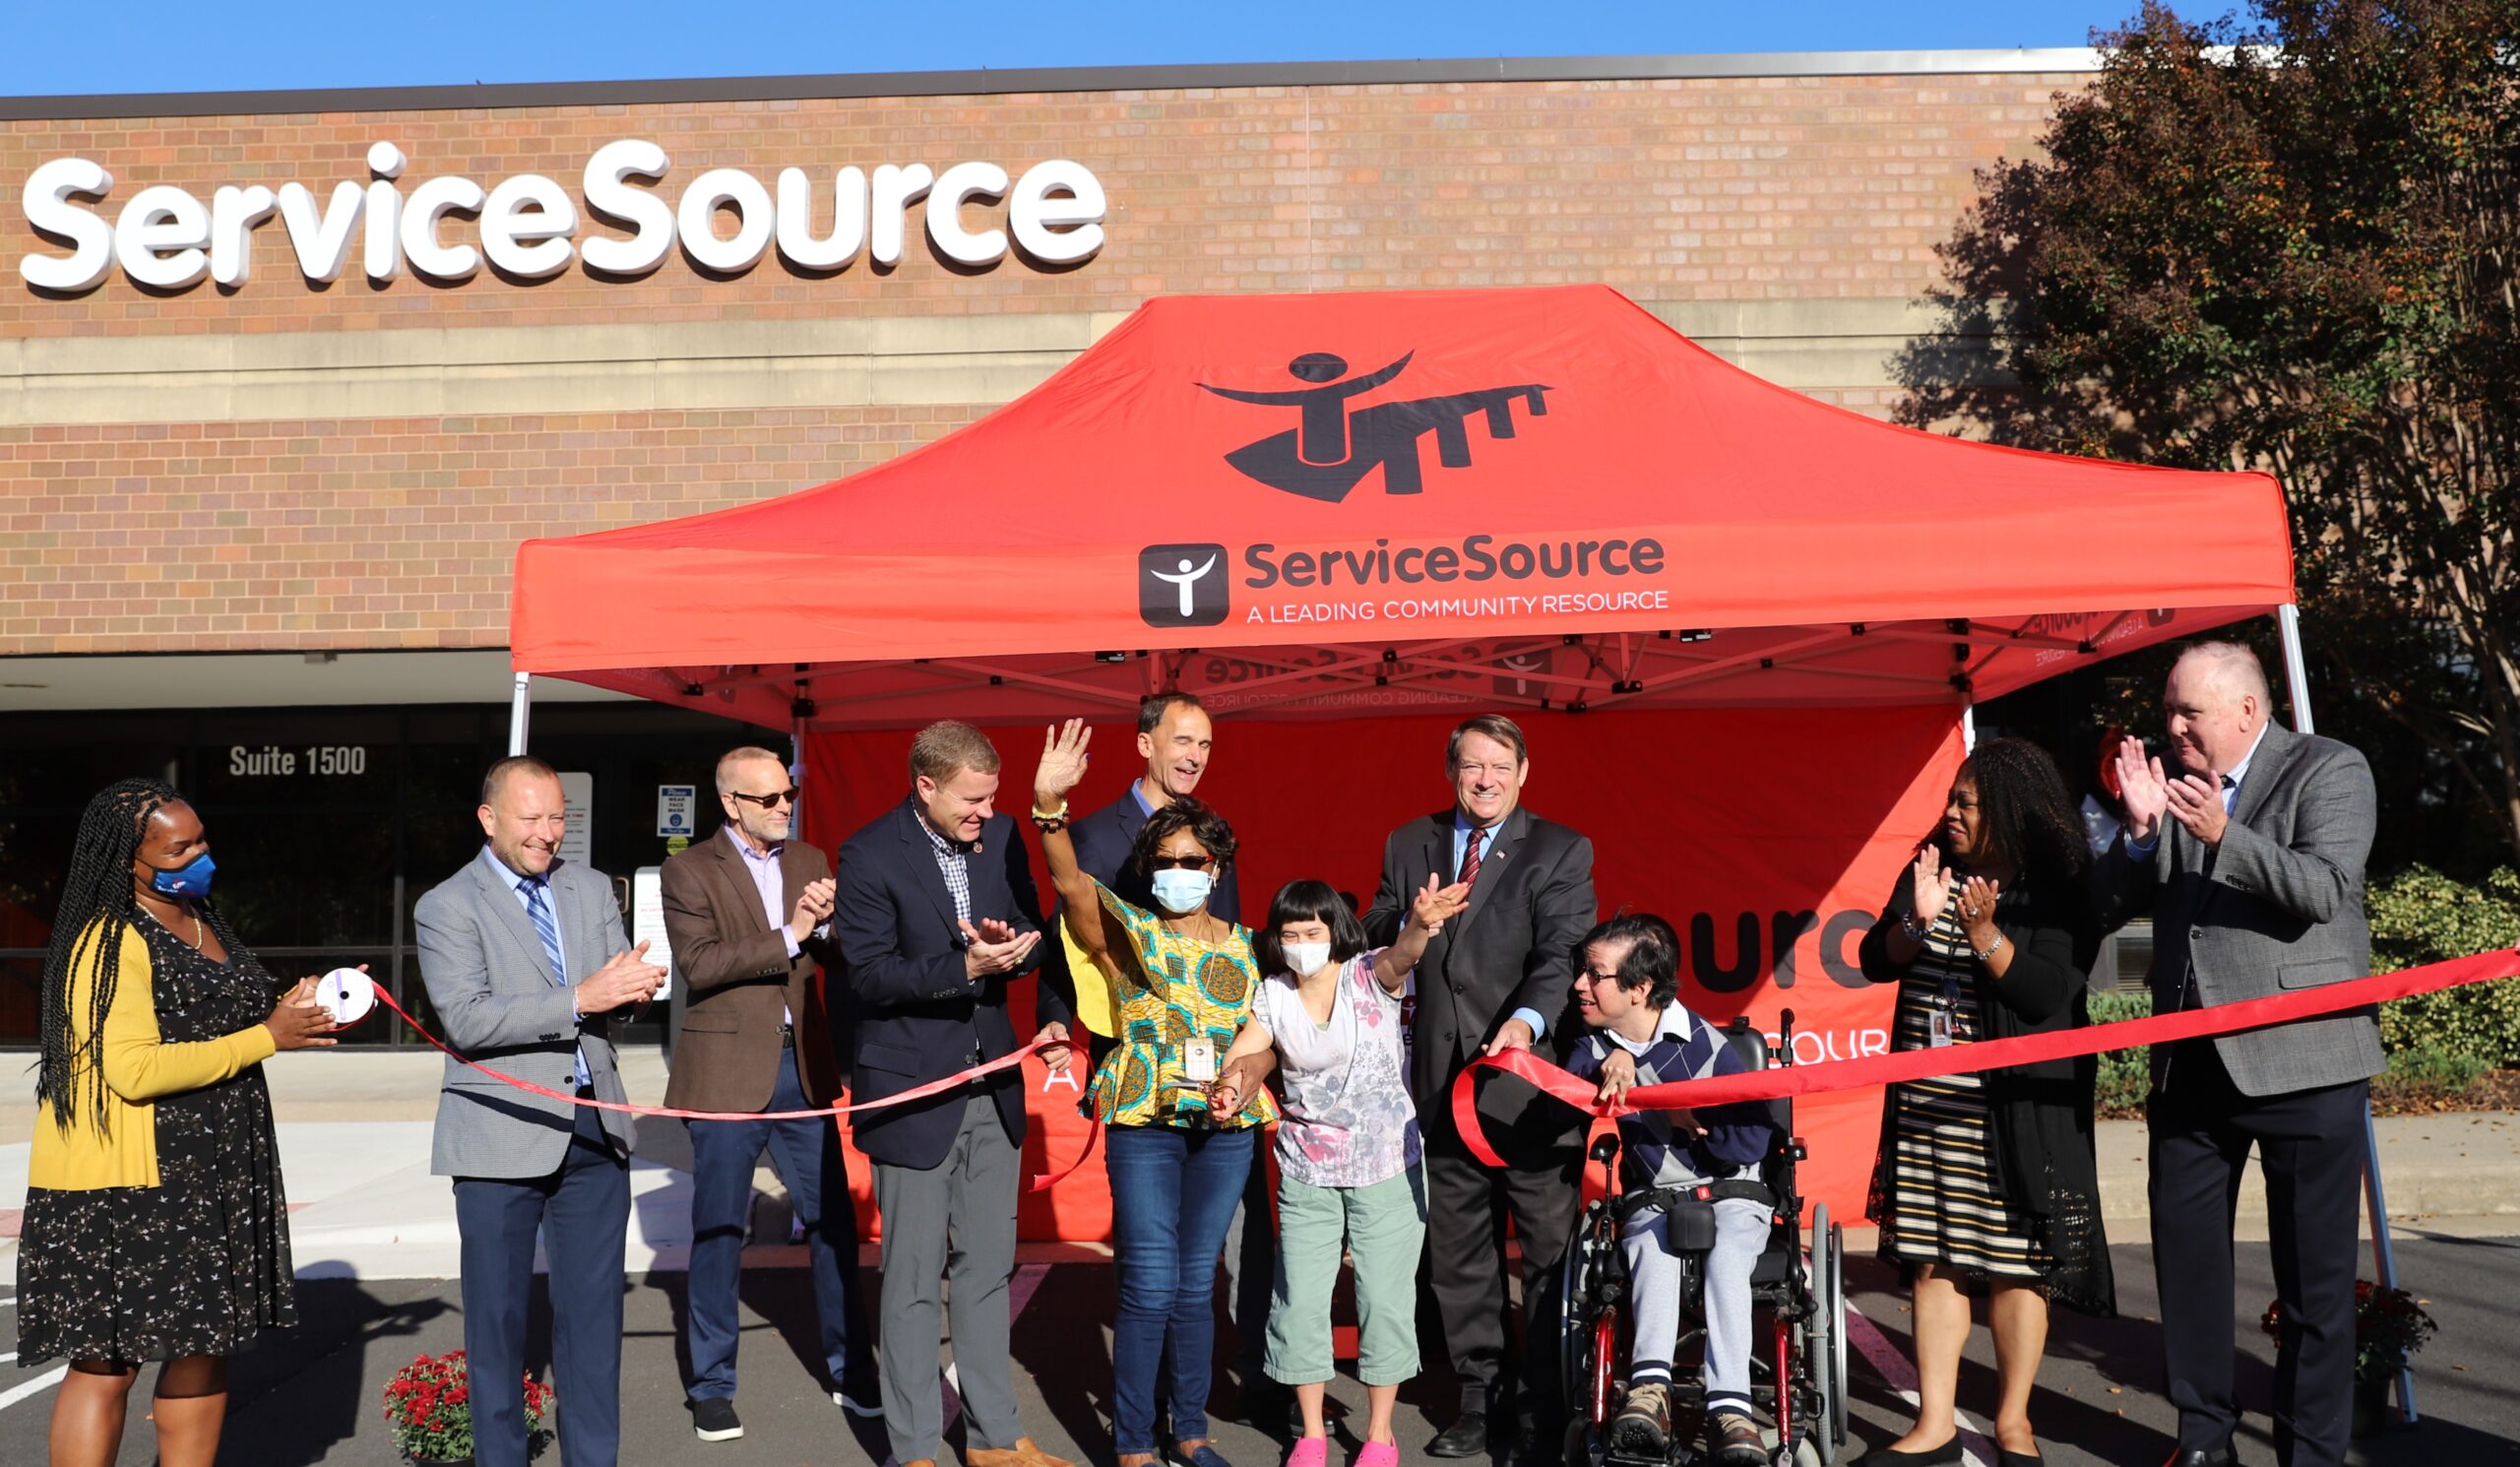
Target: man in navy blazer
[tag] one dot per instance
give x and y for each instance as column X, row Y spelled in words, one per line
column 936, row 916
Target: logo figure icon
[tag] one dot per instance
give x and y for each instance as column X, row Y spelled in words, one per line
column 1181, row 584
column 1331, row 449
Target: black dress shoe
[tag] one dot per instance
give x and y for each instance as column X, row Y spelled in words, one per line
column 1264, row 1405
column 2005, row 1458
column 2221, row 1456
column 1465, row 1438
column 1945, row 1456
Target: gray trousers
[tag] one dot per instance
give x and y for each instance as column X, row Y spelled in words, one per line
column 954, row 1221
column 1653, row 1277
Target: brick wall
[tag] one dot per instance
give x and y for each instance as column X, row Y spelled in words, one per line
column 383, row 533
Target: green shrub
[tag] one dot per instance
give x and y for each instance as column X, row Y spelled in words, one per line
column 2425, row 1068
column 2423, row 917
column 2124, row 1075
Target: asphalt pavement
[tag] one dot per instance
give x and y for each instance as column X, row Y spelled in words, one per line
column 312, row 1394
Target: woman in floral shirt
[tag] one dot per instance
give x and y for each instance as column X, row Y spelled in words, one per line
column 1348, row 1145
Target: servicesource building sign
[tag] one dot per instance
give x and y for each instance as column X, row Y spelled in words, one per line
column 529, row 226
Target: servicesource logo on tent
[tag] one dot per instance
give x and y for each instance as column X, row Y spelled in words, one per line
column 1329, row 452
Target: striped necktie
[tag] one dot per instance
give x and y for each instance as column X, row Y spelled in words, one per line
column 1470, row 856
column 537, row 905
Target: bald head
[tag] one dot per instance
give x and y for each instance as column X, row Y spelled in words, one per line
column 2218, row 702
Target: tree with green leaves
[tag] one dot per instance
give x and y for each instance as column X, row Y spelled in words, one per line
column 2290, row 244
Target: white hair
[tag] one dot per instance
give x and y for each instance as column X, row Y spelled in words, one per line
column 728, row 762
column 2236, row 664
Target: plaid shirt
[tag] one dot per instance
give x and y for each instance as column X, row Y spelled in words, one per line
column 953, row 858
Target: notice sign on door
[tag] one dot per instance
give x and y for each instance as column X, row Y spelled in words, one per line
column 674, row 809
column 577, row 838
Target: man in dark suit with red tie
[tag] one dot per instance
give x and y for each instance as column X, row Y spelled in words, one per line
column 1495, row 979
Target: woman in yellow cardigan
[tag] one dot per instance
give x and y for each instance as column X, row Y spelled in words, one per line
column 156, row 1228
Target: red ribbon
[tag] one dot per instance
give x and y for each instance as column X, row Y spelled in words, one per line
column 1783, row 1080
column 944, row 1086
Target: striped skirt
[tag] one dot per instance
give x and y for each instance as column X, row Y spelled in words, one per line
column 1942, row 1206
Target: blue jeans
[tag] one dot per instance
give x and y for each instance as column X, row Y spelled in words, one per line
column 1173, row 1194
column 724, row 1154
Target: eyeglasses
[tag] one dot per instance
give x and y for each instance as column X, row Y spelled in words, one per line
column 1588, row 974
column 1181, row 862
column 770, row 800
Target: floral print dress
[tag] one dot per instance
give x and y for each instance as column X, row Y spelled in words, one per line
column 198, row 1264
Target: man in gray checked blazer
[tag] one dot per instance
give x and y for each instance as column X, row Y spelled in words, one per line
column 526, row 965
column 2250, row 860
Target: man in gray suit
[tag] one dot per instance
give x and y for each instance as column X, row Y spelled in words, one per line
column 2250, row 860
column 523, row 959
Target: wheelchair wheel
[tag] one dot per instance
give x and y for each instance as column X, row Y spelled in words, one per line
column 1587, row 1333
column 1828, row 1364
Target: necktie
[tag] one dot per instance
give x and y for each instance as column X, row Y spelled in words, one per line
column 1470, row 856
column 2230, row 794
column 537, row 905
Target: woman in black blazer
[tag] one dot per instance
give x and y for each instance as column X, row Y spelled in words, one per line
column 1985, row 1184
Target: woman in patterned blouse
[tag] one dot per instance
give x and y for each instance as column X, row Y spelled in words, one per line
column 1182, row 980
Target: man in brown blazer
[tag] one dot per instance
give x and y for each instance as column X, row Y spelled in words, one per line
column 748, row 913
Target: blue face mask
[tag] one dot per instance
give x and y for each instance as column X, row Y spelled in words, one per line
column 1180, row 891
column 188, row 880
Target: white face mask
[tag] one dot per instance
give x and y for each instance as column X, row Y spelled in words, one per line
column 1306, row 958
column 1180, row 892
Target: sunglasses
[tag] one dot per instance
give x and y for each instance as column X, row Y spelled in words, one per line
column 770, row 800
column 1179, row 862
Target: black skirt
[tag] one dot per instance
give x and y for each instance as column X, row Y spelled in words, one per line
column 198, row 1264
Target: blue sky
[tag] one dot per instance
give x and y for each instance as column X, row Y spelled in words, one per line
column 53, row 48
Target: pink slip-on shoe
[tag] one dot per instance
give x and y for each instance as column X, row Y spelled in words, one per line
column 1377, row 1455
column 1309, row 1451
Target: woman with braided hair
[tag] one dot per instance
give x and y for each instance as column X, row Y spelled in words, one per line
column 156, row 1228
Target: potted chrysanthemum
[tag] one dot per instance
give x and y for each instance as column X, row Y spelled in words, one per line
column 429, row 1403
column 2389, row 1327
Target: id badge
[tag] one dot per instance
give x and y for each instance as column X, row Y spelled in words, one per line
column 1199, row 1061
column 1939, row 1029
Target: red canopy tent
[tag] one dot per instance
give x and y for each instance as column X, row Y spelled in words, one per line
column 1771, row 614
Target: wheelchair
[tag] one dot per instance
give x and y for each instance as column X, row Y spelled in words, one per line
column 1799, row 1363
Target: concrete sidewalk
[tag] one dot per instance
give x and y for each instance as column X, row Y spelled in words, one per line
column 355, row 1141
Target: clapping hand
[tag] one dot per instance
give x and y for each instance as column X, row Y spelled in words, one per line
column 1063, row 761
column 994, row 946
column 2144, row 791
column 1433, row 907
column 1978, row 911
column 1928, row 887
column 2196, row 802
column 626, row 978
column 813, row 908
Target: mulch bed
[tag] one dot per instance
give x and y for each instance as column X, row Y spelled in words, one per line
column 2496, row 1090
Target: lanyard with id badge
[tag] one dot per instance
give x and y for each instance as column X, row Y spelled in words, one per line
column 1942, row 1020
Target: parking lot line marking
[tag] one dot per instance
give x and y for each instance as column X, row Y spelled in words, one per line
column 1895, row 1369
column 46, row 1382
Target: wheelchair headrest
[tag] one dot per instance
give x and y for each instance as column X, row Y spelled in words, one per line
column 1746, row 1041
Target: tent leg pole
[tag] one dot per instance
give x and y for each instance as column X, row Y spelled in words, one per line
column 2376, row 1197
column 1968, row 727
column 797, row 776
column 519, row 712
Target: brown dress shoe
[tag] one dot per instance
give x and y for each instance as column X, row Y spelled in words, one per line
column 922, row 1462
column 1022, row 1454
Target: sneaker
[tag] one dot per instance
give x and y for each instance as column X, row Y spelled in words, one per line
column 861, row 1404
column 1734, row 1439
column 1309, row 1451
column 713, row 1419
column 1643, row 1425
